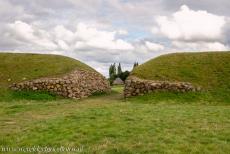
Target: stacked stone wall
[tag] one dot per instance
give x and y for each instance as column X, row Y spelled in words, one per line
column 135, row 86
column 77, row 84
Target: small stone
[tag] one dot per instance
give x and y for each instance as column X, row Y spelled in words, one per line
column 34, row 88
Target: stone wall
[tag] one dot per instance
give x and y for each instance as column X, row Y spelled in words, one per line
column 135, row 86
column 77, row 84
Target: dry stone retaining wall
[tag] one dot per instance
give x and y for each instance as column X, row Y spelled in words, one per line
column 135, row 86
column 77, row 84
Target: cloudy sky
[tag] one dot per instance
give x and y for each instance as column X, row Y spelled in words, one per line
column 100, row 32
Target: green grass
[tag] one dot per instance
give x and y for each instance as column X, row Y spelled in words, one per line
column 20, row 67
column 211, row 70
column 33, row 95
column 109, row 124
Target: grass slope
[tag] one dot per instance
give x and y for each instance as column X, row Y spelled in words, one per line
column 108, row 124
column 18, row 67
column 211, row 70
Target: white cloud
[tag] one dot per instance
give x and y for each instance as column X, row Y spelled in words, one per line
column 93, row 37
column 22, row 30
column 190, row 25
column 88, row 36
column 61, row 33
column 200, row 46
column 122, row 32
column 154, row 46
column 30, row 36
column 190, row 30
column 63, row 45
column 84, row 37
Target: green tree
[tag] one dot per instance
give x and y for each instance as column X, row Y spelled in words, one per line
column 124, row 75
column 115, row 72
column 112, row 73
column 119, row 70
column 112, row 70
column 135, row 64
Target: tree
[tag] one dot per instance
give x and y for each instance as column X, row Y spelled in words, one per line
column 135, row 64
column 119, row 70
column 124, row 75
column 115, row 72
column 112, row 70
column 112, row 73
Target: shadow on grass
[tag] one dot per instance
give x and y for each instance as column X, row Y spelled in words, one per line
column 8, row 95
column 34, row 95
column 207, row 97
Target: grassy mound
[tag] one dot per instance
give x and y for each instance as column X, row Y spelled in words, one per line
column 211, row 70
column 19, row 67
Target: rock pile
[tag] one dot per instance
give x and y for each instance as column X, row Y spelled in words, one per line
column 135, row 86
column 77, row 84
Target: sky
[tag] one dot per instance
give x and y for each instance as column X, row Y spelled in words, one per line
column 102, row 32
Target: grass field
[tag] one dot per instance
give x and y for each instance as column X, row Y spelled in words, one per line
column 109, row 124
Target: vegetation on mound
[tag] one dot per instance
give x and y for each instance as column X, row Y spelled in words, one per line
column 19, row 67
column 211, row 70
